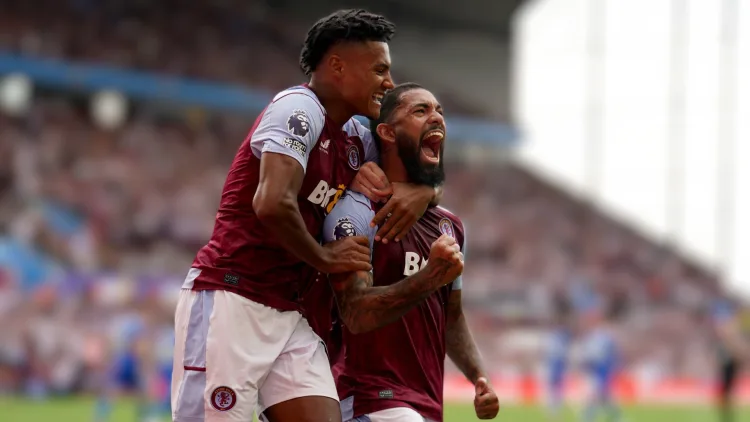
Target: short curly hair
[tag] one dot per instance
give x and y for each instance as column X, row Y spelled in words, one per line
column 355, row 25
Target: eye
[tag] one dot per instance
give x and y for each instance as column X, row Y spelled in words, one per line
column 419, row 112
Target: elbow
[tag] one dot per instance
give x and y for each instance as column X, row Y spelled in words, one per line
column 268, row 208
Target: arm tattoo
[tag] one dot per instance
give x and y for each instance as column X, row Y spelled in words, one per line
column 364, row 307
column 459, row 342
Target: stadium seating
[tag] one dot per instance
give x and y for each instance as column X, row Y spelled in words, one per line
column 120, row 214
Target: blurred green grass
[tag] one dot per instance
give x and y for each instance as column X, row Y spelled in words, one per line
column 14, row 409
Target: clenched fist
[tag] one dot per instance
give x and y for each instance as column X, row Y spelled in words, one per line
column 486, row 403
column 446, row 257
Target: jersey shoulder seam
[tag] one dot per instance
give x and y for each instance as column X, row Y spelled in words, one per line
column 288, row 93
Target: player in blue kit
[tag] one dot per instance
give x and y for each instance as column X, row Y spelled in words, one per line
column 125, row 375
column 601, row 360
column 557, row 360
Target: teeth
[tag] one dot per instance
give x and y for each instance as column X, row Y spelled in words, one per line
column 434, row 133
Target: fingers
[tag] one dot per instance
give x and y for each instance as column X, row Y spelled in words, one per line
column 375, row 176
column 364, row 250
column 392, row 226
column 487, row 405
column 446, row 240
column 372, row 182
column 360, row 251
column 400, row 228
column 361, row 266
column 381, row 216
column 360, row 240
column 388, row 230
column 447, row 248
column 451, row 249
column 366, row 191
column 481, row 387
column 359, row 245
column 383, row 194
column 359, row 256
column 486, row 399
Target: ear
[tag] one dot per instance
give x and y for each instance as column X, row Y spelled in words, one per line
column 336, row 64
column 386, row 133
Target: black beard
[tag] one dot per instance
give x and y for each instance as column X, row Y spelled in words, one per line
column 418, row 172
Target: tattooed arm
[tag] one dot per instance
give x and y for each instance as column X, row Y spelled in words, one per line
column 459, row 342
column 363, row 307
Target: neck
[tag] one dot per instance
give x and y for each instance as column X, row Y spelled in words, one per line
column 336, row 109
column 393, row 167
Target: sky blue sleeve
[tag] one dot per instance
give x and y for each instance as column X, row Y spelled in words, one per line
column 458, row 283
column 350, row 217
column 291, row 125
column 371, row 150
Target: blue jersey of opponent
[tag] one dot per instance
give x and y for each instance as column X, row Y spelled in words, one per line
column 164, row 351
column 557, row 356
column 601, row 358
column 127, row 331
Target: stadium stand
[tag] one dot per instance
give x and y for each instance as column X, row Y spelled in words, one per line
column 96, row 222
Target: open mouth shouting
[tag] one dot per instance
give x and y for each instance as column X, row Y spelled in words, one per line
column 432, row 141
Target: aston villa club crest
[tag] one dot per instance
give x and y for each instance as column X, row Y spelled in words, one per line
column 223, row 399
column 446, row 227
column 352, row 155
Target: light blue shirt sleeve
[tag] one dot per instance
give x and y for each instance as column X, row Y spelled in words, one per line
column 371, row 150
column 291, row 125
column 354, row 128
column 458, row 283
column 350, row 217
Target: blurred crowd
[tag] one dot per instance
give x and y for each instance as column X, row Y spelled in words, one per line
column 117, row 216
column 534, row 252
column 97, row 226
column 251, row 43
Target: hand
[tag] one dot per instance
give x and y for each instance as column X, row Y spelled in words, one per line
column 407, row 205
column 346, row 255
column 446, row 252
column 372, row 183
column 486, row 404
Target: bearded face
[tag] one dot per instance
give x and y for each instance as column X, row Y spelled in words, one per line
column 420, row 171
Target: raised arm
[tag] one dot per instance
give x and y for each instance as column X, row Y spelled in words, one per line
column 288, row 131
column 364, row 307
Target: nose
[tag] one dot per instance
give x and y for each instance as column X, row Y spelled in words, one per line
column 436, row 119
column 388, row 82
